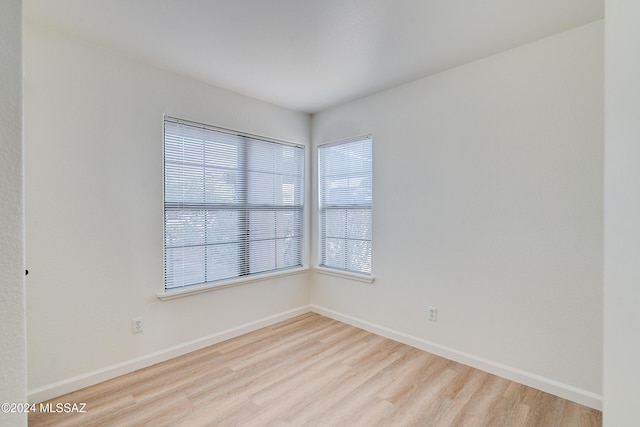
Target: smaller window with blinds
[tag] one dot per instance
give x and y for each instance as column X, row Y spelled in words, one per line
column 233, row 204
column 345, row 176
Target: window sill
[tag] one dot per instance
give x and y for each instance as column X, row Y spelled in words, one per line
column 345, row 274
column 192, row 290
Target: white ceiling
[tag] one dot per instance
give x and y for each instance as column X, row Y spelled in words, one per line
column 308, row 55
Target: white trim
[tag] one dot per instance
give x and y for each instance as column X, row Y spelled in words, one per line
column 230, row 131
column 208, row 287
column 345, row 140
column 345, row 274
column 68, row 385
column 547, row 385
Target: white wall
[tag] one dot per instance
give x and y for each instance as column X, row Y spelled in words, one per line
column 488, row 204
column 498, row 203
column 94, row 214
column 622, row 214
column 13, row 372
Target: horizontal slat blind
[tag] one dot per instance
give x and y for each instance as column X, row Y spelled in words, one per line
column 345, row 178
column 233, row 204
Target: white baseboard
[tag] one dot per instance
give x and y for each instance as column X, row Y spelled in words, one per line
column 90, row 378
column 547, row 385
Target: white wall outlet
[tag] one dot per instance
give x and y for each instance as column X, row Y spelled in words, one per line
column 432, row 313
column 136, row 325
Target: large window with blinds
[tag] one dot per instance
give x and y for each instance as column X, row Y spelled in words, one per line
column 233, row 204
column 345, row 203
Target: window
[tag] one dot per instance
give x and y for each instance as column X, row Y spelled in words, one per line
column 345, row 187
column 233, row 204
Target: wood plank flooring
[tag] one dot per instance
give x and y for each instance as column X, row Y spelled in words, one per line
column 314, row 371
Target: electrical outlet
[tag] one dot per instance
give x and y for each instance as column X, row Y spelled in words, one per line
column 432, row 313
column 136, row 325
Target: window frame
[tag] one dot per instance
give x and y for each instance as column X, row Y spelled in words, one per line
column 174, row 292
column 367, row 277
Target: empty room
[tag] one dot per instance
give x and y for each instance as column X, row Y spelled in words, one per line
column 300, row 213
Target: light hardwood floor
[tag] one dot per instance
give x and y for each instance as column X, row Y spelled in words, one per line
column 314, row 371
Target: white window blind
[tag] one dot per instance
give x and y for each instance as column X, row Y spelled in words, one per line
column 233, row 204
column 345, row 187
